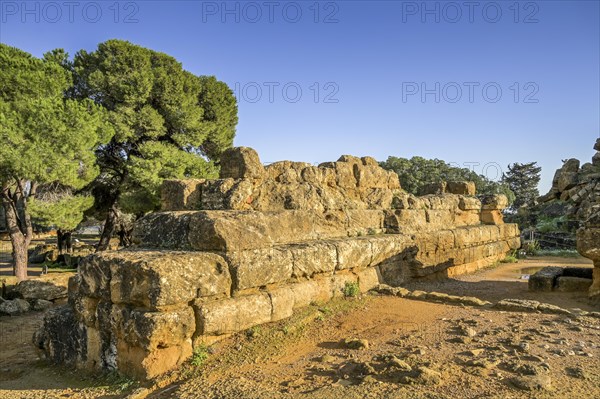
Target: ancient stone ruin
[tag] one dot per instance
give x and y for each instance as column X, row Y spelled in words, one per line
column 580, row 188
column 251, row 247
column 588, row 236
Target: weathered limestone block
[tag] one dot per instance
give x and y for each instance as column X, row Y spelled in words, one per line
column 567, row 177
column 396, row 271
column 461, row 187
column 389, row 246
column 368, row 279
column 573, row 284
column 282, row 302
column 441, row 202
column 94, row 281
column 353, row 253
column 344, row 175
column 152, row 279
column 405, row 221
column 238, row 230
column 234, row 314
column 235, row 231
column 364, row 221
column 370, row 176
column 317, row 290
column 351, row 159
column 146, row 364
column 433, row 188
column 285, row 299
column 508, row 230
column 241, row 163
column 152, row 330
column 439, row 219
column 314, row 258
column 370, row 161
column 475, row 235
column 588, row 243
column 466, row 218
column 163, row 230
column 469, row 203
column 492, row 217
column 58, row 346
column 260, row 267
column 180, row 195
column 230, row 194
column 84, row 307
column 494, row 202
column 317, row 176
column 393, row 181
column 378, row 198
column 286, row 172
column 48, row 287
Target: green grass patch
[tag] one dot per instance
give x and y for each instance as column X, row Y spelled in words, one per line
column 351, row 289
column 200, row 356
column 510, row 259
column 561, row 253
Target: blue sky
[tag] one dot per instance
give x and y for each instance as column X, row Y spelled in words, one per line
column 479, row 84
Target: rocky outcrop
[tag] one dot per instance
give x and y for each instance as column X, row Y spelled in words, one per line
column 586, row 197
column 580, row 188
column 256, row 244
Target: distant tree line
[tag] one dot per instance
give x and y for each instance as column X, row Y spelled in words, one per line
column 417, row 172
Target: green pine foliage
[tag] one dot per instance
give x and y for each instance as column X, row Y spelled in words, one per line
column 168, row 122
column 64, row 214
column 523, row 180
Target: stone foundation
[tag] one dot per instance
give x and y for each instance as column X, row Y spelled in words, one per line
column 255, row 245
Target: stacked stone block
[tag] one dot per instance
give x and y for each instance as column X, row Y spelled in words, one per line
column 256, row 244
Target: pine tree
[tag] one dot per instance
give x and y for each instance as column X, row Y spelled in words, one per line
column 45, row 138
column 169, row 123
column 523, row 180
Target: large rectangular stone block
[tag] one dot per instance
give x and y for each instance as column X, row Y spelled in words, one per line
column 151, row 279
column 180, row 195
column 389, row 246
column 313, row 258
column 354, row 253
column 364, row 221
column 545, row 279
column 169, row 230
column 260, row 267
column 233, row 314
column 466, row 218
column 405, row 221
column 307, row 292
column 368, row 279
column 146, row 364
column 152, row 330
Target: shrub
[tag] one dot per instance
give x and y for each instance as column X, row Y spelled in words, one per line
column 200, row 355
column 531, row 247
column 351, row 289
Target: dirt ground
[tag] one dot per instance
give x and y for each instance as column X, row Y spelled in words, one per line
column 410, row 349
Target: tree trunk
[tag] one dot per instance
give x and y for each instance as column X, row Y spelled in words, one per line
column 109, row 228
column 19, row 240
column 59, row 241
column 64, row 241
